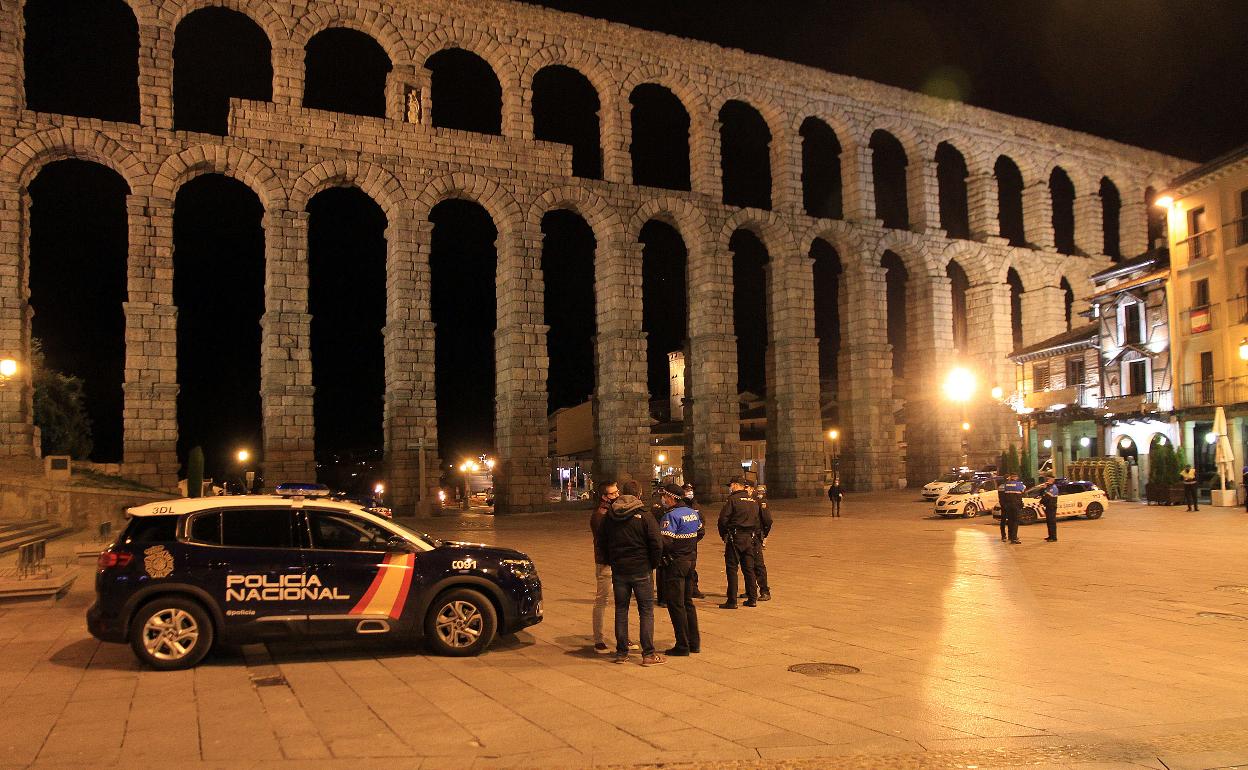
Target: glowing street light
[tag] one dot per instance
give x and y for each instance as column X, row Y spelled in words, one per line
column 489, row 463
column 662, row 459
column 8, row 368
column 243, row 455
column 1164, row 202
column 834, row 434
column 1243, row 350
column 966, row 426
column 379, row 489
column 959, row 385
column 1085, row 442
column 997, row 392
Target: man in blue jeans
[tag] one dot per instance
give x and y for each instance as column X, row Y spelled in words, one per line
column 634, row 549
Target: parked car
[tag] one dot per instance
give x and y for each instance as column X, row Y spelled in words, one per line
column 940, row 486
column 969, row 498
column 1074, row 498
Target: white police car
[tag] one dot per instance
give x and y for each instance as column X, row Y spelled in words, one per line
column 1074, row 499
column 969, row 498
column 934, row 489
column 299, row 564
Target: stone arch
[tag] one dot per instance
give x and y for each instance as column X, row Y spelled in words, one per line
column 1031, row 271
column 374, row 25
column 681, row 214
column 483, row 191
column 845, row 238
column 602, row 79
column 688, row 94
column 905, row 134
column 971, row 256
column 767, row 226
column 601, row 216
column 480, row 43
column 24, row 161
column 848, row 133
column 378, row 183
column 232, row 162
column 261, row 12
column 778, row 122
column 911, row 247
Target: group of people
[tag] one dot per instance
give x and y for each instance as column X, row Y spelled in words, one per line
column 1010, row 495
column 637, row 547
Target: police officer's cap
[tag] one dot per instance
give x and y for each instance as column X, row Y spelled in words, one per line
column 674, row 490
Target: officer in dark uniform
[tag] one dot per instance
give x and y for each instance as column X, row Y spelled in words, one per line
column 1011, row 496
column 738, row 526
column 759, row 493
column 1049, row 501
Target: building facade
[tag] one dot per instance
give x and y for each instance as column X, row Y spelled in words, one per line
column 1208, row 225
column 955, row 272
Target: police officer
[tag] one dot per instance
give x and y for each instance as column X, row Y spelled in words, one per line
column 759, row 493
column 1049, row 501
column 738, row 526
column 681, row 528
column 1011, row 496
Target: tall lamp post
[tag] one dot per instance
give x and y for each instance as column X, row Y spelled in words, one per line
column 243, row 456
column 959, row 387
column 834, row 436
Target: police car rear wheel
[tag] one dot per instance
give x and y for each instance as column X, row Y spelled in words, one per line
column 461, row 623
column 172, row 633
column 1028, row 516
column 1094, row 511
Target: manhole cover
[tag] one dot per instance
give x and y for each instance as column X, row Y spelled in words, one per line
column 1220, row 616
column 1236, row 589
column 822, row 669
column 274, row 680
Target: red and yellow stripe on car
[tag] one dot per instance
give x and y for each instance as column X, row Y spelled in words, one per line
column 388, row 592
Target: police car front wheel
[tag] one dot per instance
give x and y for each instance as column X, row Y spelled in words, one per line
column 460, row 623
column 171, row 633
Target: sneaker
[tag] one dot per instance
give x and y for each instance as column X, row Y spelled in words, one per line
column 653, row 659
column 601, row 648
column 749, row 603
column 1016, row 542
column 765, row 596
column 620, row 658
column 678, row 652
column 728, row 606
column 1003, row 538
column 633, row 646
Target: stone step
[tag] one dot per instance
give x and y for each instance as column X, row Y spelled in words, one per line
column 15, row 534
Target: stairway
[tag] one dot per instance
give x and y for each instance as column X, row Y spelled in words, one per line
column 14, row 534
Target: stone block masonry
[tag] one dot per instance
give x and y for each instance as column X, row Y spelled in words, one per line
column 287, row 153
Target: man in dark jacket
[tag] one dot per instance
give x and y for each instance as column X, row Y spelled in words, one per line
column 738, row 526
column 681, row 529
column 634, row 548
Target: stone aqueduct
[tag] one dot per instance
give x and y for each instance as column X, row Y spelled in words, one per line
column 287, row 153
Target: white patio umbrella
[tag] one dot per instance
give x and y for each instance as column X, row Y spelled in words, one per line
column 1224, row 456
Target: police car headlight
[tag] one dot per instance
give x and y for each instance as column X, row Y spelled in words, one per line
column 523, row 569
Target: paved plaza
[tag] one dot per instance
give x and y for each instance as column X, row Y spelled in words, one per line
column 1122, row 645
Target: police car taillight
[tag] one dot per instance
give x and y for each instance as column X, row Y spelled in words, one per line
column 110, row 559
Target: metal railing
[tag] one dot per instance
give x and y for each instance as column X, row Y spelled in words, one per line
column 1150, row 401
column 1200, row 393
column 1199, row 320
column 1235, row 233
column 1197, row 247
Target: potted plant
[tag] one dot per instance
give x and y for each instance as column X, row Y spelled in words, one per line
column 1165, row 486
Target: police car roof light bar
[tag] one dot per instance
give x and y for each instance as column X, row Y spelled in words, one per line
column 302, row 489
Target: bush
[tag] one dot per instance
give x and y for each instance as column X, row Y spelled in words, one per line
column 60, row 410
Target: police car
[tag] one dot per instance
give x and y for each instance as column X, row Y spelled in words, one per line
column 1074, row 498
column 969, row 498
column 934, row 489
column 298, row 564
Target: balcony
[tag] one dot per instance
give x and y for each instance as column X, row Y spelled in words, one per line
column 1235, row 233
column 1197, row 247
column 1199, row 320
column 1044, row 399
column 1238, row 308
column 1214, row 392
column 1139, row 403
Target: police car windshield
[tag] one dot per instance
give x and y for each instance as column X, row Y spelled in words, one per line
column 428, row 540
column 963, row 488
column 949, row 478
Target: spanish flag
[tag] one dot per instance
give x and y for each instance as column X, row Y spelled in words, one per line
column 388, row 592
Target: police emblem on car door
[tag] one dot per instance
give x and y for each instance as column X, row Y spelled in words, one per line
column 248, row 560
column 371, row 564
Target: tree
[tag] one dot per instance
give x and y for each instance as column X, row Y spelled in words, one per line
column 60, row 409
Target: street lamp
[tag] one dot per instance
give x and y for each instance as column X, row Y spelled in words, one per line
column 8, row 368
column 243, row 455
column 1243, row 349
column 997, row 392
column 959, row 387
column 662, row 459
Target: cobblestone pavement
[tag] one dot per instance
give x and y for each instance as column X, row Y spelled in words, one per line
column 1120, row 646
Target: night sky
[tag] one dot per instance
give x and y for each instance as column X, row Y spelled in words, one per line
column 1147, row 72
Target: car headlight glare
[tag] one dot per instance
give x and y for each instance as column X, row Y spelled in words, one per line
column 523, row 569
